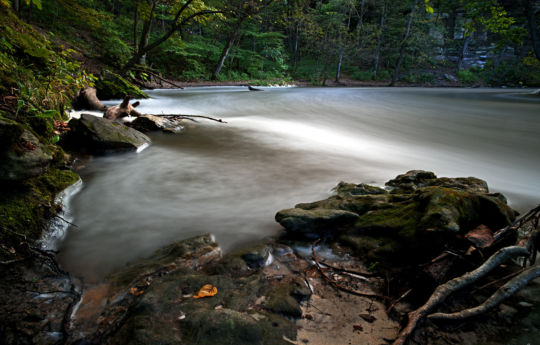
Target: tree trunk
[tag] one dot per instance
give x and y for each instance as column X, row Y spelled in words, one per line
column 135, row 27
column 341, row 50
column 379, row 42
column 17, row 7
column 533, row 29
column 404, row 44
column 141, row 53
column 296, row 46
column 227, row 48
column 463, row 52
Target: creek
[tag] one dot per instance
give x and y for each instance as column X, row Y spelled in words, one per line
column 289, row 145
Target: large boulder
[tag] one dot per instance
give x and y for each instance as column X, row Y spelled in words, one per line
column 412, row 222
column 96, row 135
column 22, row 155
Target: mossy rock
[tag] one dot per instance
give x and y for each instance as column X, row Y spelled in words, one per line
column 413, row 222
column 284, row 298
column 23, row 155
column 96, row 135
column 26, row 206
column 113, row 86
column 314, row 223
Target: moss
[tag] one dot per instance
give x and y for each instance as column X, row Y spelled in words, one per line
column 25, row 207
column 114, row 86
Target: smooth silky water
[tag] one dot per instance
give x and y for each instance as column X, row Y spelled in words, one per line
column 289, row 145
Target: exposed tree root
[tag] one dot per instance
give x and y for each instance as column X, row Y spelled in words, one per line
column 444, row 290
column 527, row 228
column 502, row 293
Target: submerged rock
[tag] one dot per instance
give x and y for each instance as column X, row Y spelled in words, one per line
column 96, row 135
column 409, row 224
column 22, row 155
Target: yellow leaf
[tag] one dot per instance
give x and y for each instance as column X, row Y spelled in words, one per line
column 206, row 291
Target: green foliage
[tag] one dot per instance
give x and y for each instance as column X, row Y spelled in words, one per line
column 468, row 76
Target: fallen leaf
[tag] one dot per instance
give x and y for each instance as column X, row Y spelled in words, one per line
column 206, row 291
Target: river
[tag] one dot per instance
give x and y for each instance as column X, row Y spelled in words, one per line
column 289, row 145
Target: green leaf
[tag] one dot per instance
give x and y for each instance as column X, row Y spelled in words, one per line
column 55, row 139
column 47, row 114
column 20, row 104
column 38, row 4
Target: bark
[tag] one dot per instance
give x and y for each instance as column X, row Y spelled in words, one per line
column 296, row 46
column 228, row 47
column 443, row 291
column 379, row 41
column 502, row 293
column 135, row 27
column 147, row 27
column 463, row 52
column 533, row 29
column 341, row 50
column 404, row 44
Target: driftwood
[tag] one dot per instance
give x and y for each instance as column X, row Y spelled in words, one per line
column 189, row 117
column 87, row 99
column 526, row 248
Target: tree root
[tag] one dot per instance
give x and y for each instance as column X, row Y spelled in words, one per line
column 500, row 295
column 527, row 228
column 444, row 290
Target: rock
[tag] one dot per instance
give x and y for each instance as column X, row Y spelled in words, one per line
column 450, row 78
column 281, row 299
column 410, row 224
column 149, row 123
column 314, row 223
column 96, row 135
column 411, row 181
column 257, row 256
column 415, row 179
column 345, row 189
column 23, row 155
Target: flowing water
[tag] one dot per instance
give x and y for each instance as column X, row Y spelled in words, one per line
column 289, row 145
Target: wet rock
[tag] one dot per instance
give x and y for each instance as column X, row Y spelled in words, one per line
column 411, row 181
column 346, row 189
column 410, row 224
column 96, row 135
column 23, row 155
column 258, row 256
column 280, row 300
column 149, row 123
column 314, row 223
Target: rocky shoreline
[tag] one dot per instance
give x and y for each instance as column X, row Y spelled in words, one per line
column 339, row 273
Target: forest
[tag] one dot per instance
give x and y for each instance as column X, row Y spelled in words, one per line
column 473, row 42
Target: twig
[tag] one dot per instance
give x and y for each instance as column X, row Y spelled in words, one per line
column 348, row 271
column 65, row 220
column 333, row 282
column 190, row 116
column 398, row 300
